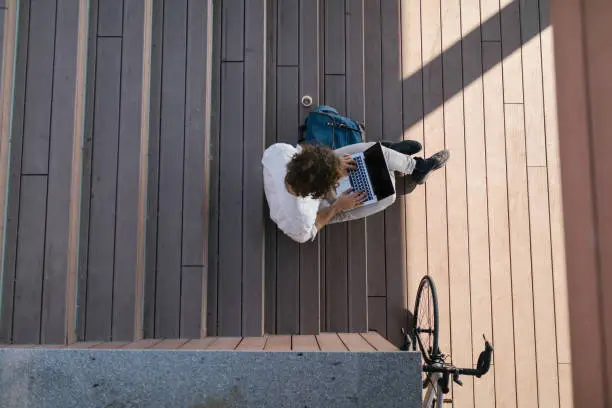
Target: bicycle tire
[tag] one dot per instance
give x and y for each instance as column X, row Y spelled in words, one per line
column 427, row 287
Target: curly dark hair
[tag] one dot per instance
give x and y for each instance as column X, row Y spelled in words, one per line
column 313, row 172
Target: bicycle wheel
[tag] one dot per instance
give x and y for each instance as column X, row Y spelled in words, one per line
column 425, row 329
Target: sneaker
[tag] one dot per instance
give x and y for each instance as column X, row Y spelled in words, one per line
column 440, row 159
column 408, row 147
column 433, row 163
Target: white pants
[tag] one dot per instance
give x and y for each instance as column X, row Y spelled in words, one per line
column 395, row 162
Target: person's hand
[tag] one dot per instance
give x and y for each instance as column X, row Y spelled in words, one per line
column 348, row 164
column 350, row 199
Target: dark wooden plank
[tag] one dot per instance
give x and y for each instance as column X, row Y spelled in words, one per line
column 231, row 200
column 288, row 32
column 195, row 200
column 253, row 196
column 101, row 252
column 153, row 176
column 30, row 260
column 12, row 215
column 393, row 130
column 355, row 107
column 374, row 131
column 171, row 151
column 215, row 126
column 232, row 26
column 490, row 18
column 3, row 3
column 2, row 13
column 288, row 262
column 304, row 343
column 335, row 37
column 83, row 250
column 60, row 175
column 354, row 342
column 378, row 342
column 126, row 232
column 336, row 238
column 310, row 286
column 191, row 301
column 110, row 18
column 270, row 244
column 377, row 314
column 39, row 89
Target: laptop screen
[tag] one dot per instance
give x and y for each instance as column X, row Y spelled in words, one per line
column 378, row 171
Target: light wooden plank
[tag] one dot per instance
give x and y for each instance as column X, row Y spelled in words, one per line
column 543, row 290
column 83, row 345
column 304, row 343
column 278, row 343
column 532, row 77
column 511, row 51
column 557, row 229
column 230, row 201
column 330, row 342
column 501, row 281
column 378, row 342
column 354, row 342
column 252, row 343
column 433, row 99
column 416, row 212
column 198, row 344
column 225, row 343
column 111, row 345
column 457, row 212
column 520, row 256
column 171, row 171
column 142, row 344
column 566, row 395
column 169, row 344
column 478, row 229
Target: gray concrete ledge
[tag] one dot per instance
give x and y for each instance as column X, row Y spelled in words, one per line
column 207, row 379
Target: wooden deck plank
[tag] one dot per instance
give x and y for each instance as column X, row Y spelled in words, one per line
column 336, row 235
column 61, row 145
column 501, row 280
column 304, row 343
column 254, row 143
column 252, row 343
column 83, row 345
column 374, row 132
column 39, row 88
column 287, row 286
column 142, row 344
column 433, row 98
column 395, row 255
column 171, row 171
column 335, row 37
column 111, row 345
column 476, row 187
column 191, row 301
column 355, row 108
column 170, row 344
column 230, row 201
column 456, row 196
column 30, row 260
column 101, row 251
column 198, row 344
column 278, row 343
column 378, row 342
column 330, row 342
column 110, row 18
column 288, row 24
column 511, row 51
column 566, row 395
column 14, row 177
column 520, row 256
column 232, row 26
column 532, row 84
column 543, row 287
column 310, row 260
column 412, row 87
column 377, row 314
column 126, row 232
column 490, row 17
column 354, row 342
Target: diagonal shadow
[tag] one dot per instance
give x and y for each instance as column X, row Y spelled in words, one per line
column 515, row 34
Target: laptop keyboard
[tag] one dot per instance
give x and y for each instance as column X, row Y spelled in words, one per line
column 359, row 178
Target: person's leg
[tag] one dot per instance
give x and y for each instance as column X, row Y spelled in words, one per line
column 405, row 146
column 424, row 167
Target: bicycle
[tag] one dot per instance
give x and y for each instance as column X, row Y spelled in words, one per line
column 424, row 334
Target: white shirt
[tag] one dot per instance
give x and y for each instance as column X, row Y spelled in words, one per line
column 295, row 216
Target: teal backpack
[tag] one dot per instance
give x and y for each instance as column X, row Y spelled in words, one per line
column 325, row 126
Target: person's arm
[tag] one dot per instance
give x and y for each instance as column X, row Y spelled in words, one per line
column 347, row 201
column 325, row 216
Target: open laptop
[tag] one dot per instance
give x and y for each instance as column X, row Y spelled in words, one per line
column 371, row 176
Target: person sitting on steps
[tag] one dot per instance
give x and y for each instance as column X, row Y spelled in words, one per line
column 300, row 182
